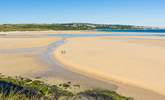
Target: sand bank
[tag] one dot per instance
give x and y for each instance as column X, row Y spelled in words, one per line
column 12, row 43
column 135, row 61
column 32, row 56
column 28, row 53
column 19, row 64
column 20, row 56
column 27, row 33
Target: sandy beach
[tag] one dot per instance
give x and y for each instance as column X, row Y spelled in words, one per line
column 131, row 65
column 19, row 56
column 28, row 33
column 82, row 50
column 137, row 61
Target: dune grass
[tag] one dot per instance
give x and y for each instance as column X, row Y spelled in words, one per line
column 19, row 88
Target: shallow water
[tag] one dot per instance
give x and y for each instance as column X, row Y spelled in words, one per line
column 111, row 34
column 58, row 70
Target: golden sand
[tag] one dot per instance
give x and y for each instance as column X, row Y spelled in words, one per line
column 14, row 61
column 122, row 59
column 12, row 43
column 19, row 64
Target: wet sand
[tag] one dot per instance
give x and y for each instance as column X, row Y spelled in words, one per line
column 31, row 54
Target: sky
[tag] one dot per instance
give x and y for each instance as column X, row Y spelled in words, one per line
column 130, row 12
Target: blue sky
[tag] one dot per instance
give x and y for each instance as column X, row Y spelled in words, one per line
column 136, row 12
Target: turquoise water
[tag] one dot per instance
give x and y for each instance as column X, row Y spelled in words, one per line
column 139, row 31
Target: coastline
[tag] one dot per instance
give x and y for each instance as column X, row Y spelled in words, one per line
column 54, row 32
column 54, row 70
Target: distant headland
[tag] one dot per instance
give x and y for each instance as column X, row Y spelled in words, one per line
column 68, row 26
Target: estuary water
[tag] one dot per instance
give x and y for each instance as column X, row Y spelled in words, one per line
column 114, row 33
